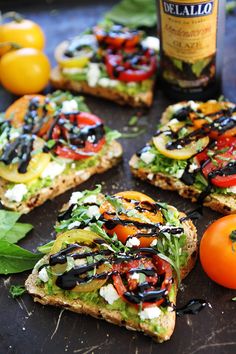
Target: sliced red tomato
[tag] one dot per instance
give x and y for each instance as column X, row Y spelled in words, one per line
column 124, row 283
column 222, row 153
column 72, row 150
column 131, row 200
column 137, row 68
column 117, row 37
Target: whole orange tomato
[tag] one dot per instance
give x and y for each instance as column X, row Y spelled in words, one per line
column 22, row 32
column 24, row 71
column 218, row 251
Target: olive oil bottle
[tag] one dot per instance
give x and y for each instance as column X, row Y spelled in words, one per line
column 191, row 34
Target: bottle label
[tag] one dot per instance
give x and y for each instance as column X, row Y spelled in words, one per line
column 189, row 29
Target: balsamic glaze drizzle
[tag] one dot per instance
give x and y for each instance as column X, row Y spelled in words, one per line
column 193, row 307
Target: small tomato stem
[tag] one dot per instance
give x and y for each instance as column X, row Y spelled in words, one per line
column 12, row 15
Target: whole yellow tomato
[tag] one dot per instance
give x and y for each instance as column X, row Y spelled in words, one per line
column 24, row 71
column 25, row 33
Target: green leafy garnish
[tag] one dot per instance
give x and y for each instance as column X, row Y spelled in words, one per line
column 116, row 203
column 11, row 230
column 14, row 259
column 17, row 290
column 134, row 13
column 232, row 237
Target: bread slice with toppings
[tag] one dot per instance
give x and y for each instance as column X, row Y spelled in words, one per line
column 168, row 172
column 109, row 61
column 108, row 300
column 50, row 144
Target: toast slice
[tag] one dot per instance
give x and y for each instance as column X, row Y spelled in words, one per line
column 157, row 322
column 109, row 61
column 55, row 155
column 140, row 99
column 167, row 173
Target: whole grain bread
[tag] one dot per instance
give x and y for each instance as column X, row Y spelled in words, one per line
column 164, row 325
column 225, row 204
column 64, row 182
column 139, row 100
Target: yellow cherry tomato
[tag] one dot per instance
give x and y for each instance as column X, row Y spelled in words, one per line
column 183, row 153
column 24, row 71
column 37, row 165
column 25, row 33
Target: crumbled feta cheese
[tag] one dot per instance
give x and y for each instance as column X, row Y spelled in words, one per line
column 53, row 169
column 152, row 43
column 69, row 106
column 74, row 224
column 43, row 275
column 73, row 165
column 232, row 189
column 172, row 122
column 150, row 313
column 179, row 173
column 17, row 193
column 192, row 167
column 147, row 157
column 14, row 134
column 109, row 293
column 153, row 243
column 134, row 276
column 176, row 107
column 75, row 196
column 93, row 74
column 106, row 82
column 80, row 262
column 193, row 105
column 132, row 241
column 150, row 176
column 91, row 199
column 93, row 211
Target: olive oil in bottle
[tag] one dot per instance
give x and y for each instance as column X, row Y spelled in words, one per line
column 191, row 34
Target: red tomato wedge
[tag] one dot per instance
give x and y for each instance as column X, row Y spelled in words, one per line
column 78, row 147
column 223, row 155
column 117, row 37
column 123, row 69
column 124, row 283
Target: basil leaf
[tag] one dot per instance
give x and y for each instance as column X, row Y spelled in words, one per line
column 17, row 290
column 17, row 232
column 134, row 13
column 14, row 259
column 7, row 221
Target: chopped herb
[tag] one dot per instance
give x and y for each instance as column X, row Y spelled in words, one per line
column 50, row 143
column 17, row 290
column 133, row 120
column 232, row 237
column 116, row 203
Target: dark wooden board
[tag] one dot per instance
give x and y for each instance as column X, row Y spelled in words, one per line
column 26, row 327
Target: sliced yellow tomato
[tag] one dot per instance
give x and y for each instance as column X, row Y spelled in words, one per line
column 184, row 153
column 36, row 166
column 66, row 62
column 83, row 238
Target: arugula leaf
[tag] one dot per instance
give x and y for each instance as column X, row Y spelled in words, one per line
column 14, row 259
column 134, row 13
column 115, row 202
column 17, row 290
column 45, row 249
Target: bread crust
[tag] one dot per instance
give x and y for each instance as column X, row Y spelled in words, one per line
column 64, row 182
column 166, row 320
column 60, row 82
column 218, row 202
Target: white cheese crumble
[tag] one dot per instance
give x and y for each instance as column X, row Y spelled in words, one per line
column 192, row 167
column 91, row 199
column 134, row 276
column 193, row 105
column 152, row 43
column 106, row 82
column 93, row 74
column 147, row 157
column 150, row 176
column 153, row 243
column 132, row 241
column 179, row 173
column 232, row 189
column 93, row 211
column 75, row 196
column 69, row 106
column 17, row 193
column 150, row 313
column 53, row 170
column 43, row 275
column 109, row 293
column 74, row 224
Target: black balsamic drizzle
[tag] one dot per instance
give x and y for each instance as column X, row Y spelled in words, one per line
column 193, row 307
